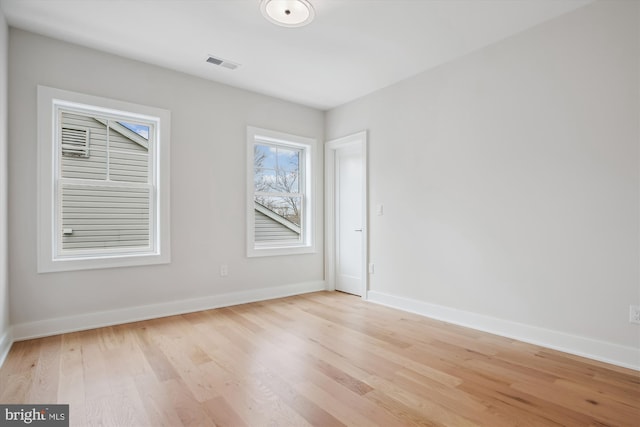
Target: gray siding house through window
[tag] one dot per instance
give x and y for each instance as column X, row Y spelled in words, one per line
column 104, row 185
column 273, row 227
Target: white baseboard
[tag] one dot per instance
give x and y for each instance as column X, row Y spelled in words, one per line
column 5, row 345
column 628, row 357
column 42, row 328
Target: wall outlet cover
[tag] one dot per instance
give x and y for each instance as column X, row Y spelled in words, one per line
column 634, row 314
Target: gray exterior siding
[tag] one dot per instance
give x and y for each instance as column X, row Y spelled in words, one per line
column 268, row 229
column 104, row 217
column 97, row 212
column 269, row 226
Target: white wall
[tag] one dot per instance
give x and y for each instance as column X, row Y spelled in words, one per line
column 208, row 143
column 4, row 287
column 510, row 184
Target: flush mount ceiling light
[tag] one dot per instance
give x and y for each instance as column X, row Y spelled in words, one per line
column 288, row 13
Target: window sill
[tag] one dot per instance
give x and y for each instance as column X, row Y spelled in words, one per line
column 279, row 251
column 84, row 263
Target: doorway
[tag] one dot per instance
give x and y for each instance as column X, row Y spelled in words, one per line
column 346, row 213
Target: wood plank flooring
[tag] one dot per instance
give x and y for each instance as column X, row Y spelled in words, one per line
column 321, row 359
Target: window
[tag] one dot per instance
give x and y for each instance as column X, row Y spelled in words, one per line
column 279, row 193
column 103, row 182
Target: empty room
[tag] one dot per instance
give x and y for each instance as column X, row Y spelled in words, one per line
column 320, row 213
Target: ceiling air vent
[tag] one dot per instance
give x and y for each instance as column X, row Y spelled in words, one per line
column 222, row 62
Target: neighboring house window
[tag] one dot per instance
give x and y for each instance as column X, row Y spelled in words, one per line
column 279, row 189
column 103, row 182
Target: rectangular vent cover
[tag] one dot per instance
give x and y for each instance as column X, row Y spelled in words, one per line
column 75, row 141
column 222, row 62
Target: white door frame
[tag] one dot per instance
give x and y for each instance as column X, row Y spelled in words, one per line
column 359, row 138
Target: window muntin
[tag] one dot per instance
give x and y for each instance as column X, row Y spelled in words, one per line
column 279, row 219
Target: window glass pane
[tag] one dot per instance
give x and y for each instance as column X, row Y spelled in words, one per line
column 277, row 219
column 264, row 156
column 96, row 125
column 123, row 139
column 82, row 147
column 286, row 207
column 141, row 130
column 276, row 169
column 128, row 152
column 287, row 182
column 264, row 179
column 95, row 217
column 124, row 166
column 288, row 170
column 288, row 159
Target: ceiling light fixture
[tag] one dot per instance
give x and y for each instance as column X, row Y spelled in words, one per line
column 288, row 13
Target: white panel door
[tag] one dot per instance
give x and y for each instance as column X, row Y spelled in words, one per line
column 349, row 219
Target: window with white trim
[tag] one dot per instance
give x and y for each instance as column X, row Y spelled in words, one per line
column 279, row 193
column 103, row 182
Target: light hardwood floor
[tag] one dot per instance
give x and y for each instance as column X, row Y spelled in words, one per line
column 322, row 359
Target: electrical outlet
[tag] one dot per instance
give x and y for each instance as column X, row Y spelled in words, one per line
column 634, row 313
column 224, row 270
column 371, row 268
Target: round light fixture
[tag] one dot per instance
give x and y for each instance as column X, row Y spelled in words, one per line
column 288, row 13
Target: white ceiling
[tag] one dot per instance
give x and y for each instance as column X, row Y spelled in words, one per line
column 353, row 47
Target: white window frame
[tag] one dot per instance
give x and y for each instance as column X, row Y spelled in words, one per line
column 307, row 147
column 50, row 256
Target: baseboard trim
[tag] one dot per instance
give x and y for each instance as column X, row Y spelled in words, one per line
column 6, row 340
column 48, row 327
column 627, row 357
